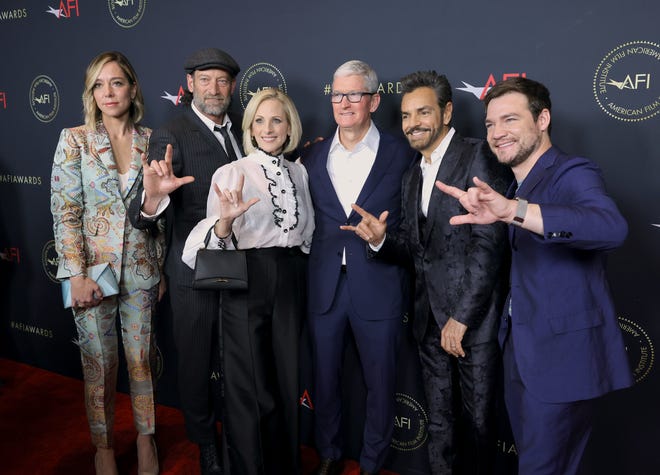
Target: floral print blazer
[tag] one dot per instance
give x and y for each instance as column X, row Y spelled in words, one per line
column 90, row 218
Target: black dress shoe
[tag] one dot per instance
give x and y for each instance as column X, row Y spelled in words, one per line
column 330, row 467
column 209, row 460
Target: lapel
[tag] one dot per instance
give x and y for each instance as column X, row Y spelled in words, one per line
column 324, row 184
column 139, row 146
column 413, row 197
column 450, row 161
column 103, row 150
column 380, row 166
column 530, row 182
column 536, row 174
column 203, row 133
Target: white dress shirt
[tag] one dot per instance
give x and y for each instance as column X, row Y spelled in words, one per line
column 283, row 216
column 430, row 170
column 349, row 169
column 211, row 125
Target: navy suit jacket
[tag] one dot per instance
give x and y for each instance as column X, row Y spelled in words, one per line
column 196, row 152
column 377, row 289
column 567, row 341
column 460, row 271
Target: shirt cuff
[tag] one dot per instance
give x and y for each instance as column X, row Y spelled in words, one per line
column 164, row 203
column 379, row 246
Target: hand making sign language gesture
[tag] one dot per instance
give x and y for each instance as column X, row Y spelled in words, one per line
column 159, row 180
column 231, row 206
column 485, row 206
column 371, row 229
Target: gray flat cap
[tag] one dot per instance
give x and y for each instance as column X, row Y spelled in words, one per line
column 211, row 58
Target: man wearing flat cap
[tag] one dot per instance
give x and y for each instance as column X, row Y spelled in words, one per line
column 193, row 145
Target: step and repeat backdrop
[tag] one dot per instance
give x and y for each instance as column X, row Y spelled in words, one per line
column 600, row 60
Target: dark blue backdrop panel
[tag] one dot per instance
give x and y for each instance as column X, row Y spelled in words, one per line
column 581, row 50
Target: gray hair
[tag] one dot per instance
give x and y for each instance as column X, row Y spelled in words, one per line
column 355, row 67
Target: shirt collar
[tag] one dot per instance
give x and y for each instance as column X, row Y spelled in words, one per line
column 208, row 122
column 268, row 160
column 439, row 151
column 370, row 140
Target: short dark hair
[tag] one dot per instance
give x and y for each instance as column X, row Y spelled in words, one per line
column 431, row 79
column 536, row 93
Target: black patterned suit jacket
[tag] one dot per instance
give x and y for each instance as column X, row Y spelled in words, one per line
column 460, row 271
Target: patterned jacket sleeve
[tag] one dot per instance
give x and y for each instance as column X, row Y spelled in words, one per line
column 66, row 205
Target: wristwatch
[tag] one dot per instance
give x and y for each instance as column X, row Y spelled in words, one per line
column 521, row 212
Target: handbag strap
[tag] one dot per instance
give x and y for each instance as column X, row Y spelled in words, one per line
column 207, row 239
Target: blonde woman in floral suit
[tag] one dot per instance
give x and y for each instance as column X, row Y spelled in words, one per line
column 96, row 173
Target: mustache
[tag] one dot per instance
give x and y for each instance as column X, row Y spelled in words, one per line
column 412, row 130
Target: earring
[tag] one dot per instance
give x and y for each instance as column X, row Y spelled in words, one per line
column 254, row 142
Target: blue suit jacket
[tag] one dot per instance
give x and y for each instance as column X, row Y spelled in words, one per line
column 377, row 288
column 567, row 340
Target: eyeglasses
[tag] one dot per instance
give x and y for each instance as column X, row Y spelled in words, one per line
column 337, row 97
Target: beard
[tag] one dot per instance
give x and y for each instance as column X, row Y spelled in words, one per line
column 213, row 110
column 421, row 144
column 526, row 151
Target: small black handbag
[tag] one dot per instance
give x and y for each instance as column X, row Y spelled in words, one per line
column 218, row 269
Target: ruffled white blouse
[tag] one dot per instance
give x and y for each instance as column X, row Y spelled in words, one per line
column 283, row 216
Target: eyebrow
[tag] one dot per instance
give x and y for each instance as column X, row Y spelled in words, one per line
column 422, row 108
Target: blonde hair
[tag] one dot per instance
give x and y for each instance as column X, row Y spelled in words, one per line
column 91, row 112
column 291, row 115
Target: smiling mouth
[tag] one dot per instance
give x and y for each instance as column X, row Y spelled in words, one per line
column 417, row 132
column 503, row 145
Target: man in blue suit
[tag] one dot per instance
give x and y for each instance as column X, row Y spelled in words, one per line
column 358, row 164
column 562, row 346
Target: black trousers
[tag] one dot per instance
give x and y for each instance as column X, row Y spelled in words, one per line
column 460, row 394
column 195, row 332
column 261, row 334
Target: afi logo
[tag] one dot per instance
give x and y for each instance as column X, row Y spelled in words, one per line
column 176, row 100
column 630, row 83
column 123, row 3
column 11, row 254
column 42, row 99
column 67, row 7
column 481, row 91
column 402, row 422
column 3, row 99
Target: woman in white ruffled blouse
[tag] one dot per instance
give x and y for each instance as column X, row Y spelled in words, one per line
column 262, row 200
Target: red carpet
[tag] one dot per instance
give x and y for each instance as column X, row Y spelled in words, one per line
column 43, row 429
